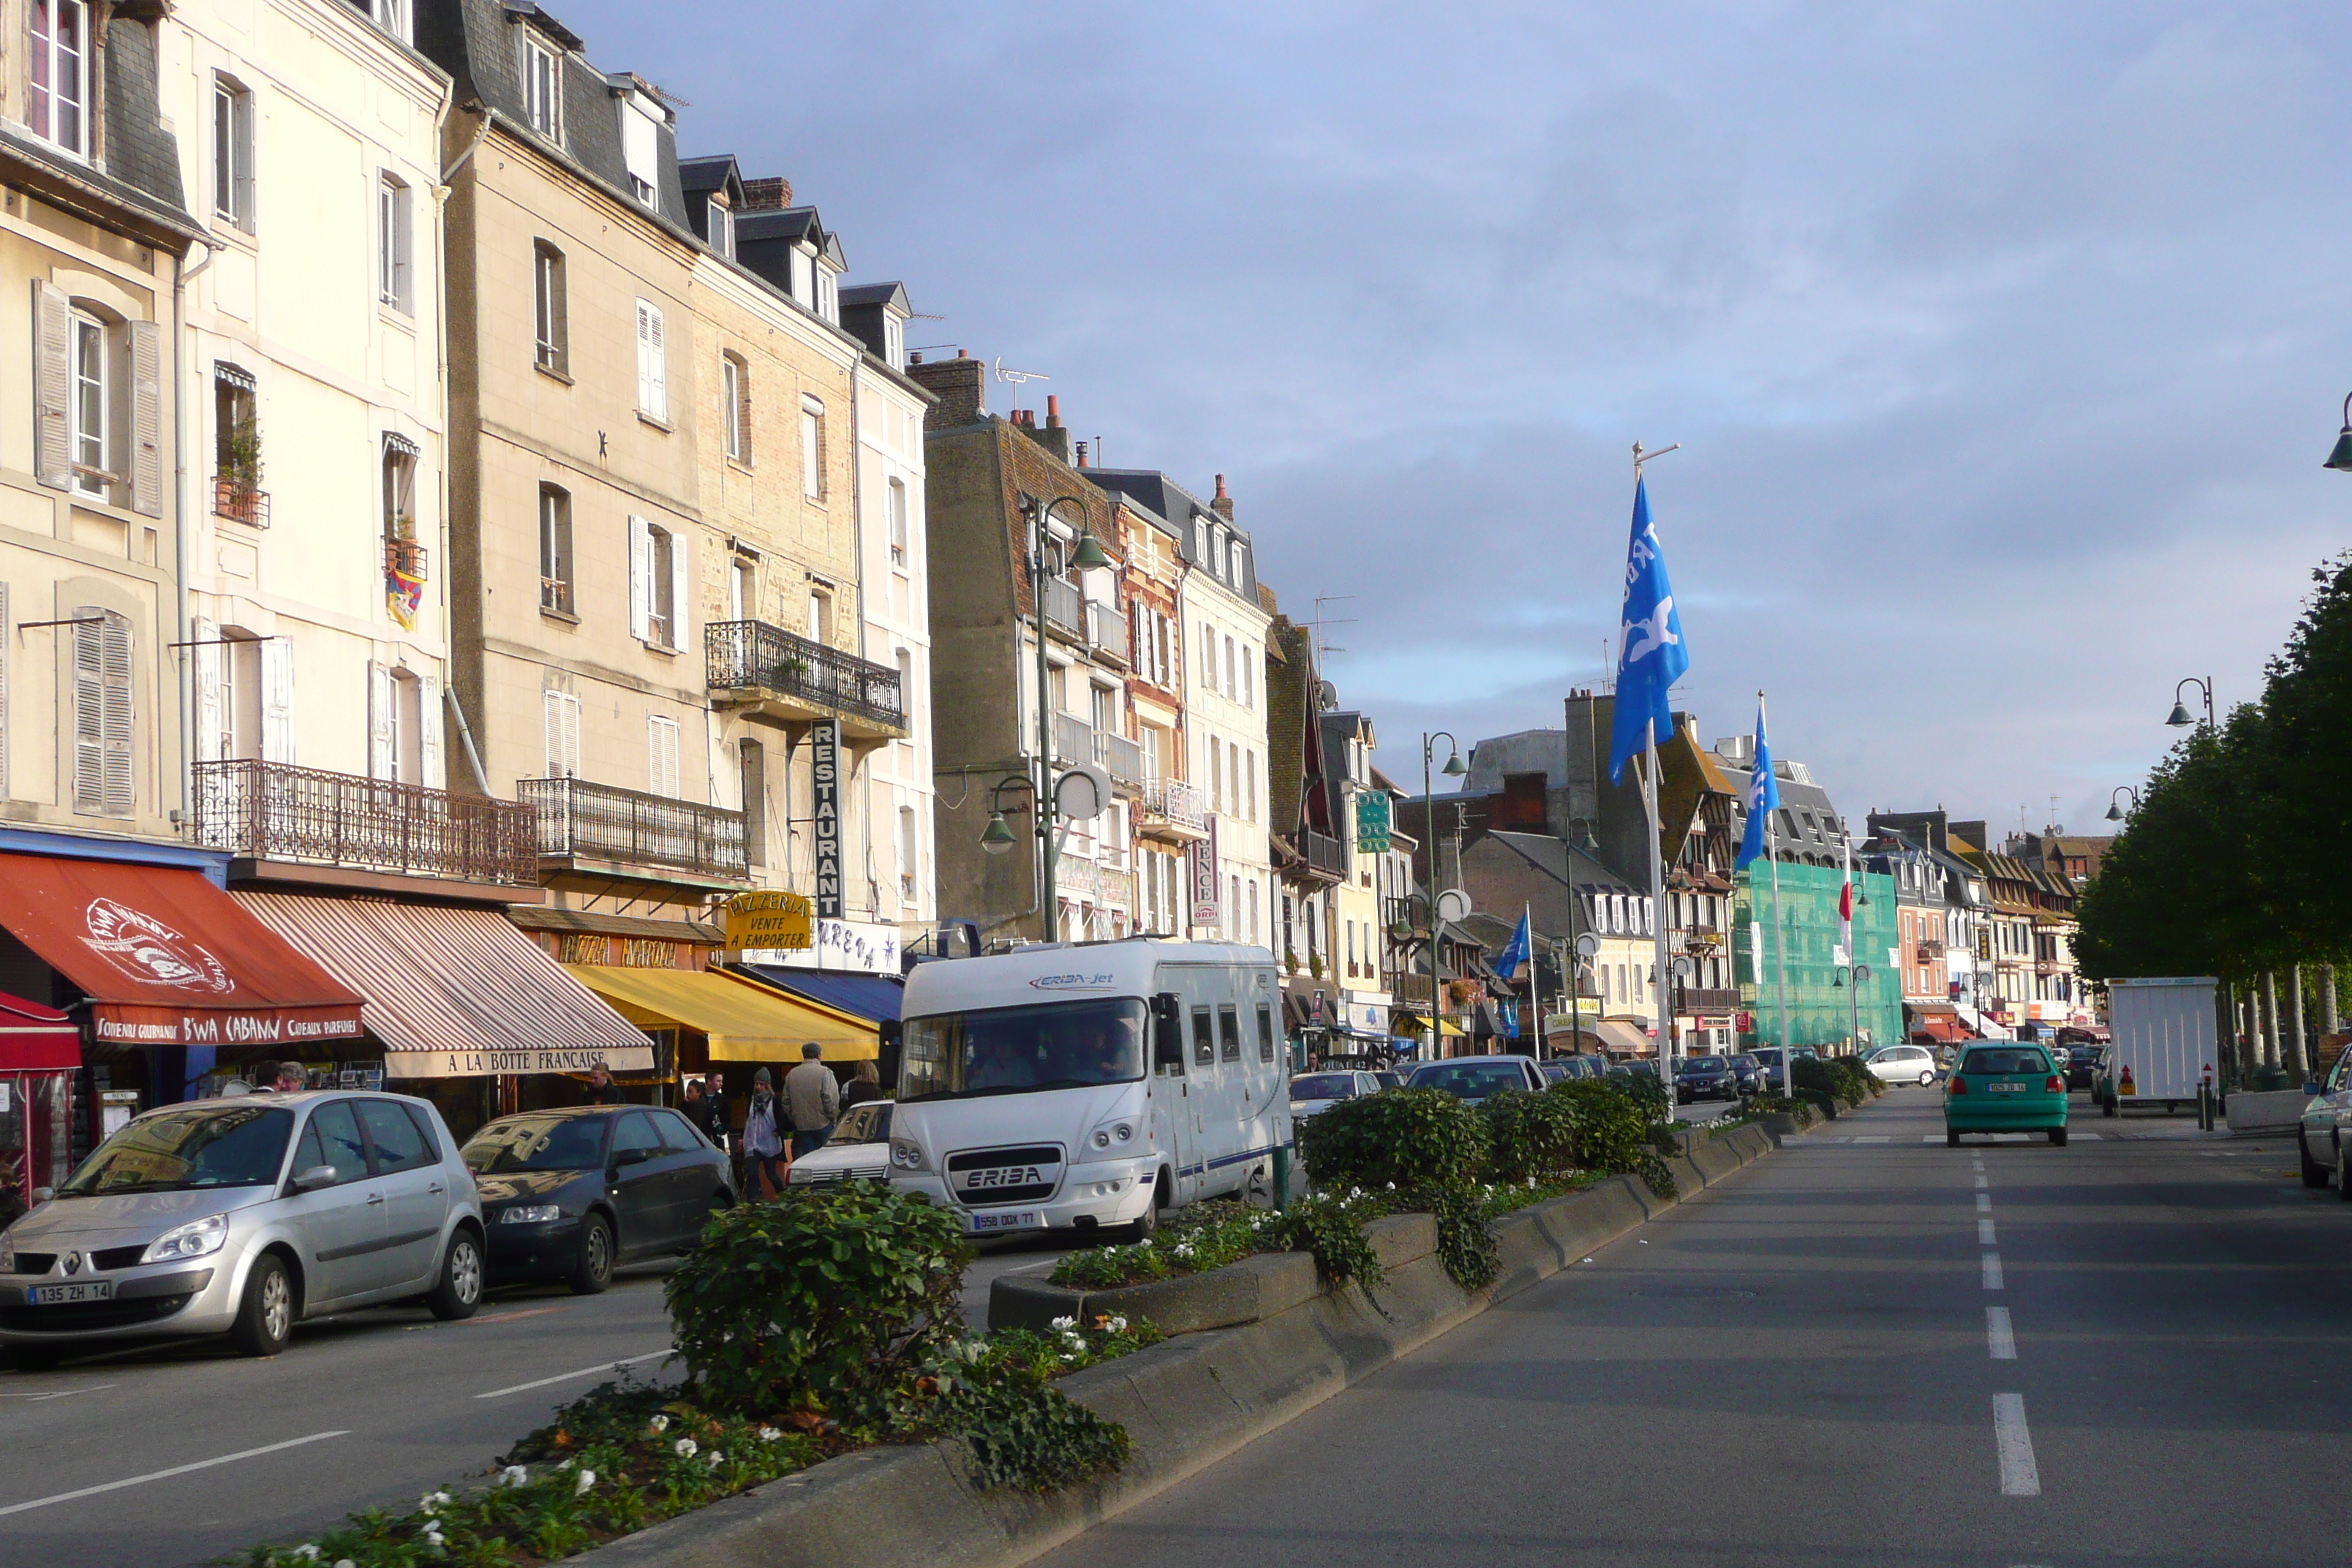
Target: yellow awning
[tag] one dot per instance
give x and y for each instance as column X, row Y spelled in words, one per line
column 1448, row 1026
column 745, row 1022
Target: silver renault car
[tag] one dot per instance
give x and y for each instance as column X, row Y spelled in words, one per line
column 244, row 1217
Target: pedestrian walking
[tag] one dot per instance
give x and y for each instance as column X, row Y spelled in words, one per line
column 863, row 1087
column 601, row 1089
column 764, row 1146
column 815, row 1100
column 706, row 1107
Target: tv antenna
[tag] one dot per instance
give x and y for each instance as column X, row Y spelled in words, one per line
column 1323, row 646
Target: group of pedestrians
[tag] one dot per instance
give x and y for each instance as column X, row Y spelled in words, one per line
column 778, row 1128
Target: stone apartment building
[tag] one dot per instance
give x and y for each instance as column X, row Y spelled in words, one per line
column 1359, row 811
column 1171, row 817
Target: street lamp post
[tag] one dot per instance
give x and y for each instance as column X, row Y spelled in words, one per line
column 1453, row 770
column 1859, row 971
column 2115, row 811
column 1583, row 844
column 1087, row 556
column 2180, row 718
column 2340, row 459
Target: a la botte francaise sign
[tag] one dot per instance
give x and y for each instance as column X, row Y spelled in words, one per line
column 776, row 921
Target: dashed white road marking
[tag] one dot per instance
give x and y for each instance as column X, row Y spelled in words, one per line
column 1992, row 1271
column 1984, row 1203
column 1981, row 1183
column 174, row 1471
column 1999, row 1338
column 568, row 1377
column 2018, row 1475
column 1984, row 1233
column 1880, row 1139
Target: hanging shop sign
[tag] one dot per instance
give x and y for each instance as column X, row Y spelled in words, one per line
column 824, row 770
column 1206, row 902
column 768, row 921
column 1373, row 823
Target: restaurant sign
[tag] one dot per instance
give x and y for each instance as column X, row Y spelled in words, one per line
column 854, row 947
column 768, row 920
column 519, row 1059
column 825, row 780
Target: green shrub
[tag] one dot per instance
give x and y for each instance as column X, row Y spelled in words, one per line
column 821, row 1301
column 1532, row 1135
column 1406, row 1138
column 1465, row 1245
column 1798, row 1110
column 1614, row 1132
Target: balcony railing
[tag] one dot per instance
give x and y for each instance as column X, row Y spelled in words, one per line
column 404, row 556
column 1107, row 632
column 240, row 500
column 1065, row 608
column 1710, row 999
column 1322, row 852
column 1122, row 758
column 752, row 656
column 1074, row 739
column 1176, row 802
column 274, row 811
column 1929, row 950
column 579, row 820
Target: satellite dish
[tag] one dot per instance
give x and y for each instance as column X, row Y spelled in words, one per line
column 1454, row 905
column 1083, row 794
column 1326, row 696
column 1588, row 945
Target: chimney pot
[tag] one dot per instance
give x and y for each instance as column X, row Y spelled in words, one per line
column 916, row 357
column 1221, row 504
column 963, row 354
column 1053, row 412
column 1082, row 454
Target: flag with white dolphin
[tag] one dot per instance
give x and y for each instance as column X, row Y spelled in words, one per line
column 1651, row 655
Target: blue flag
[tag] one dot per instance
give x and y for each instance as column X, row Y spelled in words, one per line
column 1763, row 796
column 1650, row 657
column 1516, row 952
column 1511, row 1020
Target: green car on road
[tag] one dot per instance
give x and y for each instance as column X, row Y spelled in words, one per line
column 2005, row 1088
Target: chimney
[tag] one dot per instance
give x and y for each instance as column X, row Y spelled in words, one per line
column 1224, row 504
column 773, row 194
column 961, row 384
column 1053, row 412
column 1054, row 436
column 1082, row 454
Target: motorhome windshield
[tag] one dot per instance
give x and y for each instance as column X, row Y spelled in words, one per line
column 1012, row 1050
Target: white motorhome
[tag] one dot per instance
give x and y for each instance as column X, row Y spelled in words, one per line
column 1088, row 1085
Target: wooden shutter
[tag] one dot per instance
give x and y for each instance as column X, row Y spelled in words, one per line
column 641, row 579
column 278, row 701
column 653, row 368
column 146, row 418
column 432, row 763
column 681, row 592
column 661, row 747
column 104, row 783
column 381, row 697
column 52, row 386
column 209, row 653
column 562, row 715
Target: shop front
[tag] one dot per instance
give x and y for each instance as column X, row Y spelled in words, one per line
column 727, row 1021
column 40, row 1050
column 462, row 1008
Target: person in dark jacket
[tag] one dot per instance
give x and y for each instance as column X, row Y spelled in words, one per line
column 864, row 1087
column 706, row 1107
column 601, row 1089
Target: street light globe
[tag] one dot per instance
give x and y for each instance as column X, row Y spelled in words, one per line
column 996, row 837
column 1089, row 553
column 2115, row 812
column 1453, row 768
column 2180, row 718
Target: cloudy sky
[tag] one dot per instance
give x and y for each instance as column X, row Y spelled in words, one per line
column 2004, row 342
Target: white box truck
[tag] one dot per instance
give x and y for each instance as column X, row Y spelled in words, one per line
column 2166, row 1043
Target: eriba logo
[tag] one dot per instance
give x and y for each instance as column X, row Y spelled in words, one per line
column 1004, row 1176
column 1069, row 981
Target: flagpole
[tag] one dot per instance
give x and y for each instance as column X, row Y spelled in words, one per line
column 1779, row 938
column 1845, row 923
column 1535, row 977
column 1660, row 976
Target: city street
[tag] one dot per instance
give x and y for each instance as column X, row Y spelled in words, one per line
column 2130, row 1350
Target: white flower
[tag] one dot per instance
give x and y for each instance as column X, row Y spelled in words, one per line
column 769, row 1434
column 345, row 1562
column 306, row 1552
column 714, row 1458
column 1118, row 1325
column 1531, row 1184
column 1069, row 1358
column 433, row 1537
column 685, row 1447
column 1063, row 1323
column 1391, row 1186
column 660, row 1422
column 514, row 1475
column 563, row 1467
column 432, row 1501
column 587, row 1480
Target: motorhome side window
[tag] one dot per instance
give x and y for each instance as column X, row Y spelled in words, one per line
column 1204, row 1042
column 1265, row 1032
column 1229, row 1031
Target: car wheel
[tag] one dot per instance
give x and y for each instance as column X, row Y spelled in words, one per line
column 592, row 1273
column 2058, row 1136
column 265, row 1319
column 1145, row 1228
column 1952, row 1139
column 2314, row 1174
column 1926, row 1081
column 459, row 1291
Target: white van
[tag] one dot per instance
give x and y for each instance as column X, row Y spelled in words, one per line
column 1088, row 1085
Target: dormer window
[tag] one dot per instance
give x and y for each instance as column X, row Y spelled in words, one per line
column 804, row 278
column 57, row 102
column 894, row 343
column 640, row 149
column 828, row 294
column 542, row 88
column 392, row 16
column 721, row 225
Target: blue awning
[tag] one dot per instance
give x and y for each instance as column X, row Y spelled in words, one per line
column 875, row 996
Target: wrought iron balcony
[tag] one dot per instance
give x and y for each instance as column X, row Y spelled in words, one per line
column 630, row 832
column 1107, row 632
column 1066, row 609
column 1710, row 999
column 1324, row 853
column 1929, row 950
column 1172, row 812
column 274, row 811
column 241, row 501
column 770, row 673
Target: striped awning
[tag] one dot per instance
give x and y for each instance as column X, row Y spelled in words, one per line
column 453, row 993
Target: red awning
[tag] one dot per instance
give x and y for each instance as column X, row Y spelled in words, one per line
column 34, row 1038
column 1942, row 1027
column 167, row 959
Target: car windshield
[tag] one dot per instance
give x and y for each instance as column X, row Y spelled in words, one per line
column 230, row 1145
column 537, row 1144
column 1750, row 1063
column 1013, row 1050
column 1704, row 1064
column 1323, row 1086
column 2010, row 1059
column 1468, row 1081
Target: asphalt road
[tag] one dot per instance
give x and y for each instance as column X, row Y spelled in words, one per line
column 2132, row 1350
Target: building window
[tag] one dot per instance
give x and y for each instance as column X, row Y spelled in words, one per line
column 898, row 525
column 719, row 221
column 400, row 496
column 906, row 681
column 661, row 751
column 640, row 149
column 88, row 406
column 910, row 867
column 58, row 74
column 1250, row 779
column 828, row 294
column 236, row 441
column 555, row 549
column 656, row 583
column 743, row 589
column 735, row 406
column 392, row 244
column 812, row 448
column 1233, row 680
column 653, row 362
column 542, row 89
column 553, row 329
column 1216, row 777
column 104, row 783
column 1249, row 676
column 819, row 614
column 233, row 152
column 560, row 714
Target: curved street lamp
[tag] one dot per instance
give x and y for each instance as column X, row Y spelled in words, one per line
column 2180, row 718
column 1861, row 972
column 2115, row 811
column 2340, row 459
column 1087, row 556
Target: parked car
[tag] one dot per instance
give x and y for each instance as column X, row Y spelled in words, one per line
column 1313, row 1093
column 1902, row 1064
column 1475, row 1078
column 567, row 1194
column 2082, row 1063
column 243, row 1216
column 858, row 1151
column 1768, row 1060
column 1574, row 1065
column 1705, row 1078
column 2009, row 1087
column 1749, row 1071
column 2319, row 1135
column 1388, row 1081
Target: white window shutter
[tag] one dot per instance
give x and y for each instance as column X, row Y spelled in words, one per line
column 681, row 592
column 278, row 701
column 52, row 386
column 661, row 751
column 209, row 654
column 550, row 715
column 645, row 358
column 146, row 418
column 381, row 697
column 641, row 579
column 118, row 785
column 428, row 734
column 660, row 404
column 562, row 713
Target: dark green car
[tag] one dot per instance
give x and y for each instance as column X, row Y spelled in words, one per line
column 1999, row 1087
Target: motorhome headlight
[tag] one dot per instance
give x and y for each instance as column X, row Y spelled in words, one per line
column 1112, row 1135
column 906, row 1154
